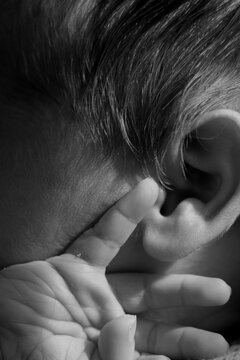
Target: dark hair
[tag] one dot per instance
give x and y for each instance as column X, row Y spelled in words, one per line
column 128, row 74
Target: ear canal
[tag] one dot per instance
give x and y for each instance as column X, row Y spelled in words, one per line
column 205, row 199
column 187, row 174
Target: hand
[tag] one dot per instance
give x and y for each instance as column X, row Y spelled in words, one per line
column 63, row 308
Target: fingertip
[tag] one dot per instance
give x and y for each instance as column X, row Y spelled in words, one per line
column 117, row 338
column 225, row 290
column 221, row 291
column 206, row 291
column 221, row 347
column 125, row 324
column 224, row 344
column 207, row 345
column 136, row 204
column 150, row 188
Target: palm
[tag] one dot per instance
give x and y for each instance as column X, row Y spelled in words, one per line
column 52, row 311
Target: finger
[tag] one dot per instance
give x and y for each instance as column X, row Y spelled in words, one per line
column 99, row 245
column 116, row 340
column 178, row 342
column 144, row 292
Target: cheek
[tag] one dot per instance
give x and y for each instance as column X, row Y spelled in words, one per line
column 39, row 225
column 88, row 201
column 27, row 236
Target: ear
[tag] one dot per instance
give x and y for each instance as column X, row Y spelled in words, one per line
column 205, row 199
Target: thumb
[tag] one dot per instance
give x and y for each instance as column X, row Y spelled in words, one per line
column 116, row 340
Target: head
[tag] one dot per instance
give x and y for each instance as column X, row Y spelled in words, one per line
column 96, row 95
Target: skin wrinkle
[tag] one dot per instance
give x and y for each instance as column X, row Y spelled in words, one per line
column 53, row 324
column 153, row 338
column 33, row 350
column 182, row 291
column 29, row 280
column 181, row 342
column 66, row 285
column 149, row 292
column 53, row 330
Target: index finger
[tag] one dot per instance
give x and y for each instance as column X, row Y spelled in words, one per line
column 99, row 245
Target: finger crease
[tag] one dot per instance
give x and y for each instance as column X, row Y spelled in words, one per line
column 130, row 219
column 182, row 292
column 152, row 339
column 181, row 344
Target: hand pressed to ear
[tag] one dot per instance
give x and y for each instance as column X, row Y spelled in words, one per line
column 65, row 309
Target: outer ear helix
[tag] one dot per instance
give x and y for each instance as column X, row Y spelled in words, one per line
column 200, row 216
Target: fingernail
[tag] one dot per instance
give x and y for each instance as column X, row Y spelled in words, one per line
column 132, row 324
column 230, row 290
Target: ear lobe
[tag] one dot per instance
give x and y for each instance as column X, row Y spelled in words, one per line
column 205, row 201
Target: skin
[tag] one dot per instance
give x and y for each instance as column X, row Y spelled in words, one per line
column 60, row 220
column 64, row 307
